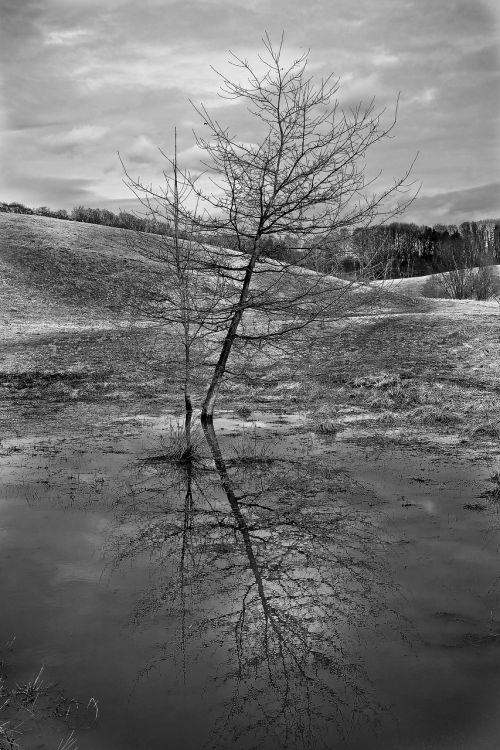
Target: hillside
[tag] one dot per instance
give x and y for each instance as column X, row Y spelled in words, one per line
column 414, row 285
column 53, row 267
column 64, row 274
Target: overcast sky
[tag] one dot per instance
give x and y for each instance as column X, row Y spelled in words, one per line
column 85, row 79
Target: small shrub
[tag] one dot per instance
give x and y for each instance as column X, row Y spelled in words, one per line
column 60, row 391
column 481, row 283
column 493, row 494
column 324, row 420
column 176, row 448
column 8, row 736
column 30, row 691
column 486, row 283
column 404, row 394
column 244, row 412
column 434, row 288
column 433, row 414
column 477, row 507
column 247, row 449
column 389, row 417
column 326, row 427
column 489, row 429
column 381, row 380
column 391, row 391
column 381, row 401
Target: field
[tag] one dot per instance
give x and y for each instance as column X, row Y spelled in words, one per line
column 398, row 406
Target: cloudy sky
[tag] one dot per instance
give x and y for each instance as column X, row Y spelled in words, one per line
column 85, row 79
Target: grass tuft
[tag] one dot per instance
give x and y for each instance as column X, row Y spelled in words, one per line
column 390, row 391
column 30, row 692
column 8, row 736
column 248, row 449
column 244, row 412
column 487, row 429
column 326, row 427
column 69, row 743
column 493, row 494
column 431, row 414
column 177, row 449
column 34, row 701
column 382, row 380
column 325, row 422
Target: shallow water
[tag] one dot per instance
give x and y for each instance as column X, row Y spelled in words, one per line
column 289, row 591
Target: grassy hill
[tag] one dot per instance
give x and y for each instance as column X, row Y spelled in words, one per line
column 62, row 274
column 65, row 296
column 414, row 286
column 49, row 265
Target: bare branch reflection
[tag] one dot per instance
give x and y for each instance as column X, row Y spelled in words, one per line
column 272, row 569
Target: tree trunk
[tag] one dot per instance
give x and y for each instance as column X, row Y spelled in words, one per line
column 207, row 410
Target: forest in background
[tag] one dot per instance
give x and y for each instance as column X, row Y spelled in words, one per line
column 391, row 251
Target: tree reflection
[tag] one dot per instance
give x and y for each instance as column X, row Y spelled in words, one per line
column 277, row 568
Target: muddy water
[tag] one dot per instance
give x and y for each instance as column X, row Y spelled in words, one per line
column 286, row 591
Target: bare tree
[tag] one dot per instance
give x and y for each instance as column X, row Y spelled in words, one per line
column 466, row 272
column 305, row 176
column 184, row 291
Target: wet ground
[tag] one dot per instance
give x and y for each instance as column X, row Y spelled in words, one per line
column 291, row 588
column 324, row 574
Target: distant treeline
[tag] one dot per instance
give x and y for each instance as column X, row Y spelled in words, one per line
column 102, row 216
column 411, row 250
column 389, row 251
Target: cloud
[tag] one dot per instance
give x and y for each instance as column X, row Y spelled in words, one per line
column 142, row 150
column 57, row 192
column 455, row 206
column 75, row 139
column 66, row 36
column 88, row 78
column 382, row 57
column 424, row 97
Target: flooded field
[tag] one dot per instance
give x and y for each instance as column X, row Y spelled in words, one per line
column 287, row 588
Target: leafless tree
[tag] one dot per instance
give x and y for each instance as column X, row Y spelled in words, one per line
column 467, row 272
column 304, row 177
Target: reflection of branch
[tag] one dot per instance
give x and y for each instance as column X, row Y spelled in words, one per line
column 187, row 528
column 296, row 654
column 274, row 571
column 242, row 527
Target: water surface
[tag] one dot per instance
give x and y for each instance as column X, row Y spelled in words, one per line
column 284, row 591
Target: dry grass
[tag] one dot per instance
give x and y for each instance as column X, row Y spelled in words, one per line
column 51, row 266
column 8, row 735
column 424, row 366
column 493, row 492
column 248, row 449
column 391, row 391
column 69, row 743
column 416, row 285
column 175, row 448
column 29, row 704
column 433, row 415
column 483, row 429
column 325, row 420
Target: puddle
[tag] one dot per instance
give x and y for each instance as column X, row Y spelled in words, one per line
column 288, row 590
